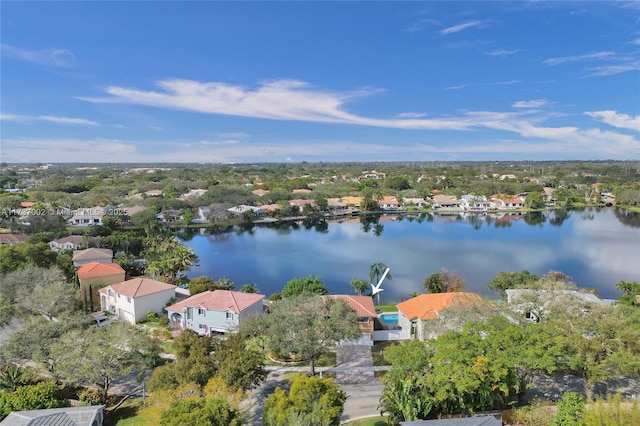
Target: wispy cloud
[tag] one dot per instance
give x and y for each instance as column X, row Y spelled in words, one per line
column 578, row 58
column 411, row 115
column 460, row 27
column 613, row 69
column 297, row 101
column 420, row 25
column 48, row 118
column 536, row 103
column 635, row 41
column 502, row 52
column 616, row 119
column 49, row 57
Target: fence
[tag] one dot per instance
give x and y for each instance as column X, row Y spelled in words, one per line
column 379, row 335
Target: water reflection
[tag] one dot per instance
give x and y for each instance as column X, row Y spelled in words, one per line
column 596, row 247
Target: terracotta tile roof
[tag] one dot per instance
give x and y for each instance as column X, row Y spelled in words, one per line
column 12, row 238
column 92, row 253
column 428, row 306
column 99, row 269
column 219, row 300
column 138, row 287
column 363, row 305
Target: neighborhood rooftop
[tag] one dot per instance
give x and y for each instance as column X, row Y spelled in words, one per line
column 219, row 300
column 99, row 269
column 139, row 287
column 428, row 306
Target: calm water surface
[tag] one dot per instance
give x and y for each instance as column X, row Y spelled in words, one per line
column 597, row 247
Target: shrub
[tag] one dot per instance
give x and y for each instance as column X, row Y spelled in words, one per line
column 89, row 396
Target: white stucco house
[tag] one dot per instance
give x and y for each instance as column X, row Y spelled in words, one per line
column 72, row 242
column 131, row 300
column 219, row 311
column 82, row 257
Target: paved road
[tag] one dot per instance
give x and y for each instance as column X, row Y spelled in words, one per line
column 362, row 400
column 349, row 356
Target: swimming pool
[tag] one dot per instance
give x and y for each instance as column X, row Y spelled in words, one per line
column 389, row 318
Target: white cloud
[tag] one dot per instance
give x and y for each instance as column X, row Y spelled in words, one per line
column 420, row 25
column 613, row 69
column 616, row 119
column 502, row 52
column 49, row 57
column 48, row 118
column 297, row 101
column 411, row 115
column 460, row 27
column 636, row 41
column 536, row 103
column 578, row 58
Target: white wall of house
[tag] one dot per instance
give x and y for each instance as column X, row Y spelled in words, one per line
column 107, row 259
column 205, row 321
column 404, row 323
column 135, row 309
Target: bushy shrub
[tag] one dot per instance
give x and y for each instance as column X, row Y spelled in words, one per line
column 88, row 396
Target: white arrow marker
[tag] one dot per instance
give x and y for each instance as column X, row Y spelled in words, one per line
column 375, row 289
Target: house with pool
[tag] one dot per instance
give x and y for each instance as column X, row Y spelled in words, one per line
column 415, row 314
column 366, row 311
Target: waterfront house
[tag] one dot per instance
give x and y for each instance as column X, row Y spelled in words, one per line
column 445, row 202
column 414, row 314
column 418, row 202
column 218, row 311
column 170, row 215
column 389, row 202
column 363, row 305
column 506, row 202
column 242, row 209
column 474, row 203
column 131, row 300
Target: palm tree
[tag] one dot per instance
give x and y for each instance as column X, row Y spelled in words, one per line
column 376, row 271
column 359, row 286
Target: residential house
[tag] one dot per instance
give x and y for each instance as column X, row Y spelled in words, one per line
column 11, row 239
column 474, row 203
column 337, row 207
column 549, row 198
column 193, row 194
column 129, row 211
column 260, row 192
column 414, row 314
column 215, row 212
column 218, row 311
column 72, row 242
column 533, row 303
column 389, row 202
column 301, row 191
column 171, row 215
column 418, row 202
column 242, row 209
column 366, row 311
column 87, row 216
column 506, row 202
column 131, row 300
column 81, row 257
column 301, row 204
column 352, row 201
column 476, row 420
column 95, row 275
column 445, row 202
column 270, row 208
column 67, row 416
column 154, row 193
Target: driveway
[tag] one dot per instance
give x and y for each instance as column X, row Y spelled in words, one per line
column 362, row 400
column 354, row 356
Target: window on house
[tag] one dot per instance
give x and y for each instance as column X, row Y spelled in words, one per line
column 118, row 295
column 110, row 293
column 128, row 300
column 229, row 315
column 202, row 327
column 202, row 312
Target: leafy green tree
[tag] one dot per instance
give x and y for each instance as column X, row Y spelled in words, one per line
column 397, row 183
column 170, row 259
column 570, row 410
column 7, row 311
column 31, row 397
column 508, row 280
column 310, row 284
column 433, row 284
column 236, row 364
column 203, row 283
column 631, row 293
column 146, row 220
column 359, row 286
column 310, row 325
column 311, row 401
column 17, row 256
column 47, row 298
column 535, row 200
column 97, row 355
column 201, row 412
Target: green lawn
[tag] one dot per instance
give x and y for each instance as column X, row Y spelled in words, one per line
column 125, row 415
column 386, row 307
column 371, row 421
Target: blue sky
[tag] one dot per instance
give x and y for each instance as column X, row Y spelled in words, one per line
column 319, row 81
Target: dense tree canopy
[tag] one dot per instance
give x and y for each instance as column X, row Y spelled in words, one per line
column 311, row 284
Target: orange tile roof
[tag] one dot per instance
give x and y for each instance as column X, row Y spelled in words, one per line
column 138, row 287
column 363, row 305
column 428, row 306
column 12, row 238
column 219, row 300
column 99, row 269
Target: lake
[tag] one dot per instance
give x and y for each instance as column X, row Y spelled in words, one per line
column 596, row 247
